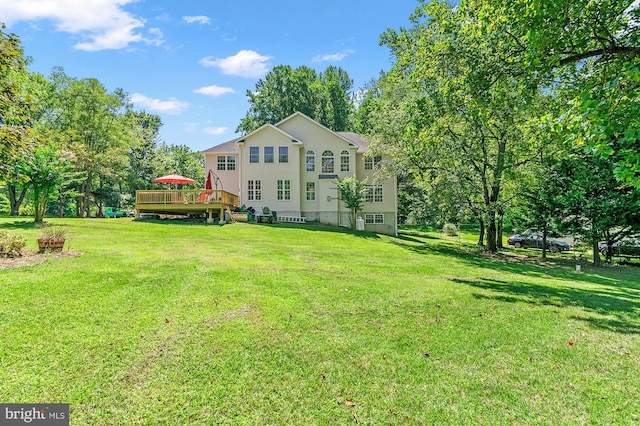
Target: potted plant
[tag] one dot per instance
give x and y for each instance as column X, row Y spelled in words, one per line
column 52, row 239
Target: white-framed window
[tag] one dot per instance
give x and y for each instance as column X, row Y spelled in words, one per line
column 254, row 154
column 311, row 161
column 327, row 162
column 311, row 191
column 373, row 194
column 254, row 190
column 268, row 154
column 226, row 162
column 283, row 154
column 374, row 218
column 231, row 162
column 284, row 190
column 344, row 161
column 371, row 162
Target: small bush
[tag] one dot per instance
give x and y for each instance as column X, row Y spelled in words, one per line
column 54, row 234
column 5, row 206
column 450, row 229
column 27, row 210
column 11, row 245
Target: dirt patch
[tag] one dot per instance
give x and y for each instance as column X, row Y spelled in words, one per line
column 32, row 257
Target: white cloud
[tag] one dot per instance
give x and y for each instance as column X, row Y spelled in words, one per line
column 171, row 106
column 104, row 24
column 245, row 63
column 196, row 19
column 333, row 57
column 215, row 131
column 214, row 90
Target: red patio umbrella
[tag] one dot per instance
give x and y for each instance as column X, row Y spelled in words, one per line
column 174, row 179
column 207, row 185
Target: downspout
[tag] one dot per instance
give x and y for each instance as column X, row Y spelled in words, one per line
column 395, row 205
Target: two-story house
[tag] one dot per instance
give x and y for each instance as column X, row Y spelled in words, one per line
column 291, row 168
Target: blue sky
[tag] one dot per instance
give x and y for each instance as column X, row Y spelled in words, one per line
column 192, row 61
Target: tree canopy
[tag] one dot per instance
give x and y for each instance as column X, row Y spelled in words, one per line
column 323, row 97
column 15, row 103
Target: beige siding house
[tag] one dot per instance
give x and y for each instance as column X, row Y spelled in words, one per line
column 291, row 168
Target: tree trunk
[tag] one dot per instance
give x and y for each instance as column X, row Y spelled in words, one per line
column 85, row 198
column 481, row 237
column 61, row 202
column 500, row 227
column 596, row 254
column 544, row 240
column 15, row 200
column 39, row 216
column 491, row 194
column 492, row 247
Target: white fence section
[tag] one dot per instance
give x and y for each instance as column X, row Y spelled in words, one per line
column 292, row 219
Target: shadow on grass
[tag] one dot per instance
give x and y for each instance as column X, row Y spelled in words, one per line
column 610, row 291
column 606, row 302
column 319, row 227
column 18, row 224
column 315, row 227
column 26, row 225
column 530, row 265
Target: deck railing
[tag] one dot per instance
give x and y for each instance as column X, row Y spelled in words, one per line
column 187, row 196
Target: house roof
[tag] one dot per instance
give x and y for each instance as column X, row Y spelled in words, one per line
column 356, row 139
column 231, row 147
column 269, row 126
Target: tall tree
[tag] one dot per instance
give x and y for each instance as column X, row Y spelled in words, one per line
column 460, row 114
column 323, row 97
column 39, row 90
column 92, row 119
column 15, row 105
column 182, row 160
column 144, row 162
column 47, row 170
column 335, row 106
column 593, row 48
column 595, row 204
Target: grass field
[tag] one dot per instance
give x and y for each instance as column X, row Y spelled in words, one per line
column 168, row 323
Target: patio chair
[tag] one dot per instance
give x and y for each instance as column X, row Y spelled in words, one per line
column 266, row 215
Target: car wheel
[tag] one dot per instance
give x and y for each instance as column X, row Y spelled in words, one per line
column 553, row 249
column 517, row 244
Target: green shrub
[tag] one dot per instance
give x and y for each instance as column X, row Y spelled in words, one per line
column 27, row 210
column 450, row 229
column 11, row 245
column 5, row 205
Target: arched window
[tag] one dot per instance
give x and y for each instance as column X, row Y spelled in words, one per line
column 344, row 161
column 311, row 161
column 327, row 162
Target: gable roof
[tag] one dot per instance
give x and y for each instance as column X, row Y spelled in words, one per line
column 354, row 139
column 269, row 126
column 311, row 120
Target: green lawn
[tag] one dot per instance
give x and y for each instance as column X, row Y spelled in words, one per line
column 169, row 323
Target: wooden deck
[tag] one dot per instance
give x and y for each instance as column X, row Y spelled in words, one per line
column 212, row 202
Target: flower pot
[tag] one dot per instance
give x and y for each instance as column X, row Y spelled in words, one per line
column 50, row 244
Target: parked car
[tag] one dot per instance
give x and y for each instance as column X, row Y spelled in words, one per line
column 113, row 212
column 627, row 247
column 531, row 238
